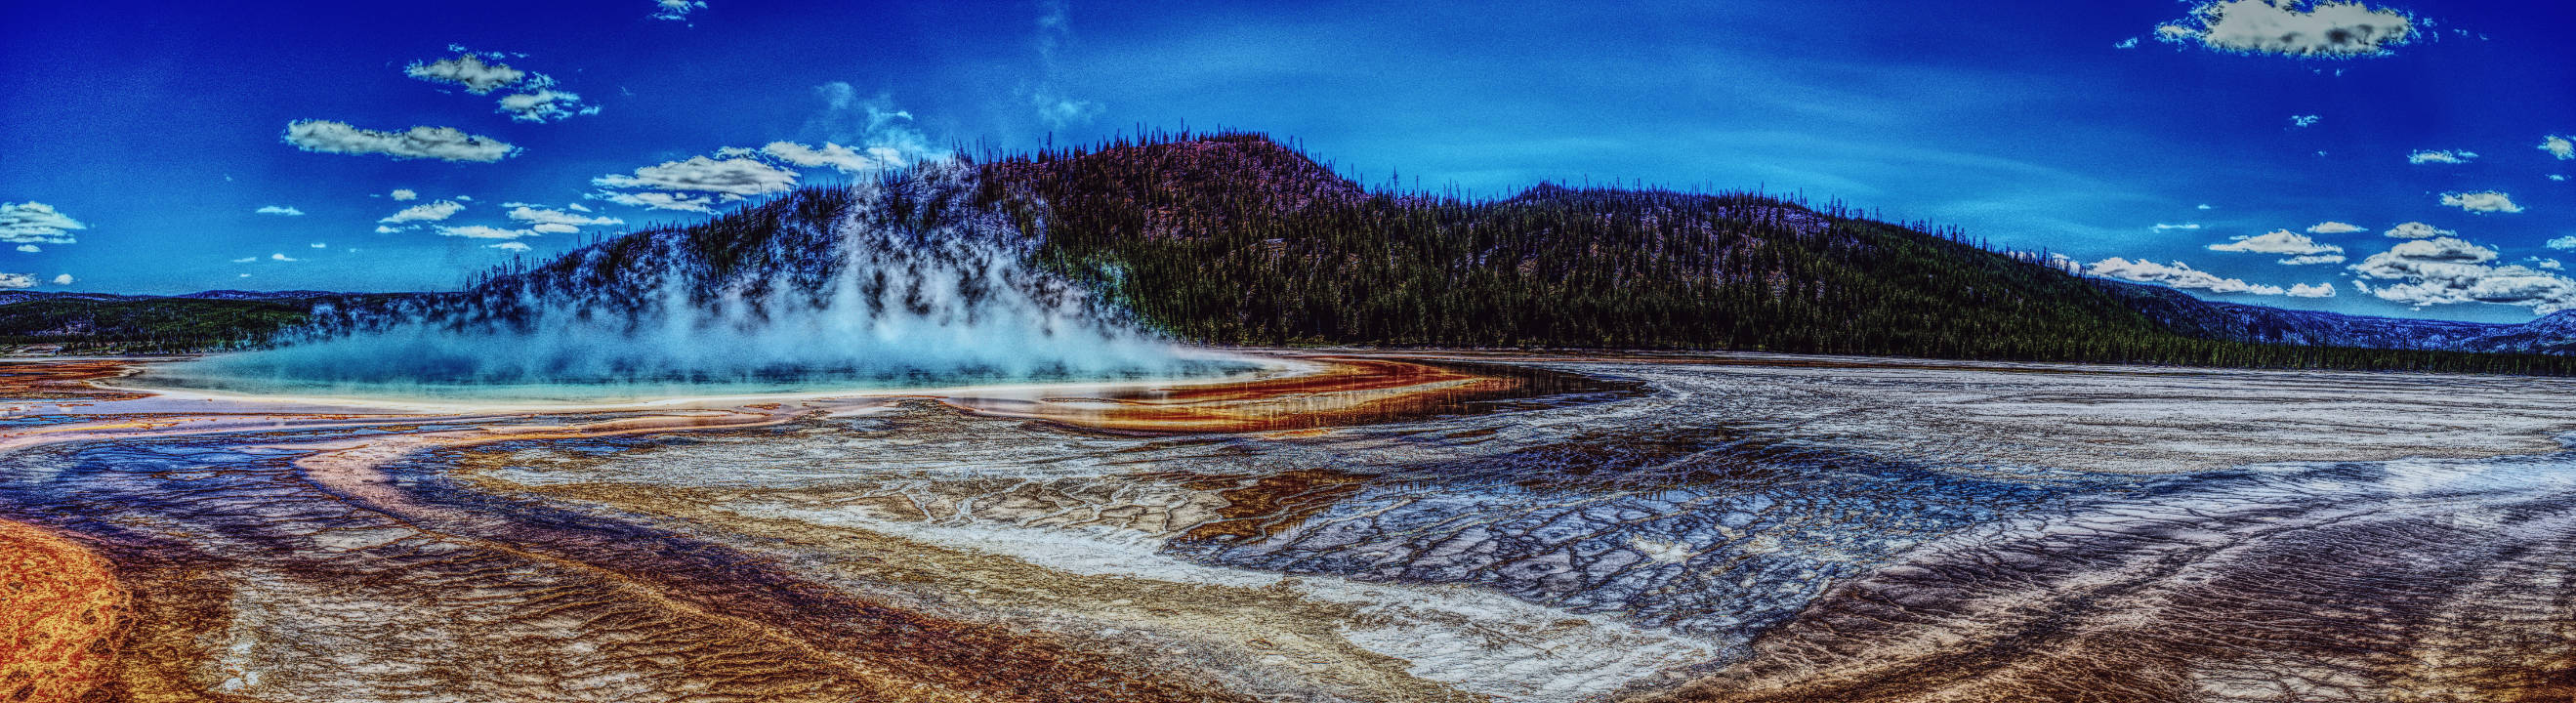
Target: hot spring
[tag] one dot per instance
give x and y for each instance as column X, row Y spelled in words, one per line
column 916, row 280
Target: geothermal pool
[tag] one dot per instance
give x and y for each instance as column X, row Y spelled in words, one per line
column 1360, row 527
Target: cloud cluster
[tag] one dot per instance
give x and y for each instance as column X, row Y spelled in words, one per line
column 484, row 232
column 405, row 194
column 545, row 221
column 2305, row 120
column 535, row 100
column 2279, row 241
column 2445, row 156
column 2331, row 227
column 33, row 222
column 2447, row 270
column 693, row 184
column 286, row 210
column 2300, row 28
column 2182, row 275
column 467, row 70
column 675, row 9
column 425, row 212
column 2482, row 202
column 2416, row 230
column 16, row 280
column 442, row 143
column 2561, row 147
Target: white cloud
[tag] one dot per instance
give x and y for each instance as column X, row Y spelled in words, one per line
column 2562, row 243
column 405, row 194
column 675, row 9
column 2446, row 271
column 282, row 257
column 319, row 245
column 2416, row 230
column 2482, row 202
column 2305, row 121
column 443, row 143
column 2178, row 275
column 2279, row 241
column 2205, row 206
column 288, row 211
column 508, row 246
column 543, row 216
column 2311, row 290
column 2332, row 227
column 659, row 200
column 2314, row 259
column 2129, row 43
column 467, row 198
column 542, row 103
column 576, row 207
column 246, row 259
column 842, row 158
column 2558, row 146
column 63, row 279
column 17, row 280
column 482, row 232
column 674, row 185
column 2446, row 156
column 381, row 229
column 2301, row 28
column 1059, row 111
column 33, row 222
column 2160, row 227
column 2558, row 176
column 426, row 212
column 30, row 248
column 468, row 70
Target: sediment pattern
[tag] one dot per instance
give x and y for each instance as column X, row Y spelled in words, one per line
column 1654, row 528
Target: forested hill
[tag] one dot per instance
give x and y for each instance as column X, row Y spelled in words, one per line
column 1235, row 238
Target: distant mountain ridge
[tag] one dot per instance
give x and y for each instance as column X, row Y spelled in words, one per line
column 2211, row 319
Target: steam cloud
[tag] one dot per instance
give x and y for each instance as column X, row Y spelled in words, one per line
column 905, row 280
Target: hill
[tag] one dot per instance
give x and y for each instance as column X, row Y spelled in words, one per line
column 98, row 323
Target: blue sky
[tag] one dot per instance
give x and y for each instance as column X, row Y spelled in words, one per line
column 162, row 129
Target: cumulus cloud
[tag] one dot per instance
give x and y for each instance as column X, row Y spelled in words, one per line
column 541, row 103
column 2301, row 28
column 838, row 157
column 2178, row 275
column 405, row 194
column 2416, row 230
column 659, row 200
column 2279, row 241
column 282, row 257
column 443, row 143
column 2447, row 270
column 508, row 246
column 2314, row 259
column 544, row 221
column 735, row 178
column 17, row 280
column 288, row 211
column 2311, row 290
column 63, row 279
column 33, row 222
column 2482, row 202
column 2561, row 147
column 675, row 9
column 30, row 248
column 466, row 70
column 2562, row 243
column 2332, row 227
column 696, row 183
column 426, row 212
column 483, row 232
column 2446, row 156
column 2305, row 121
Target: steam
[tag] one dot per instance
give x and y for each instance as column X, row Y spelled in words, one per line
column 907, row 280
